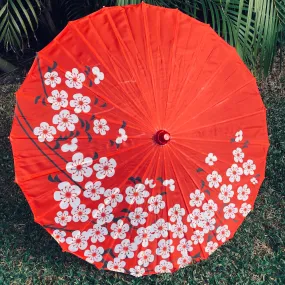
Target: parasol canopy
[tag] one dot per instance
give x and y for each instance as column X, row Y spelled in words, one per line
column 139, row 139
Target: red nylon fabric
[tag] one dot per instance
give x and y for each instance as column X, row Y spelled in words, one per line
column 84, row 149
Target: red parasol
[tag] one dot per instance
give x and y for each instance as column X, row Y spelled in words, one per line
column 139, row 139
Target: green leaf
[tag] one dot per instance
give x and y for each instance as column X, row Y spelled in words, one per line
column 37, row 99
column 89, row 137
column 95, row 156
column 53, row 67
column 132, row 179
column 82, row 123
column 87, row 126
column 125, row 210
column 123, row 125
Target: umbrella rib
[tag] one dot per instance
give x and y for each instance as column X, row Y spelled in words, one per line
column 174, row 138
column 216, row 214
column 198, row 187
column 206, row 84
column 125, row 180
column 174, row 47
column 32, row 140
column 225, row 121
column 99, row 95
column 191, row 67
column 216, row 104
column 28, row 124
column 145, row 206
column 151, row 68
column 111, row 58
column 120, row 40
column 180, row 188
column 81, row 64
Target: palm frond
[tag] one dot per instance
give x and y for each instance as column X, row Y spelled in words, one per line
column 17, row 19
column 75, row 9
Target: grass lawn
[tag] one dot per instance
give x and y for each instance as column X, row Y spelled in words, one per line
column 28, row 255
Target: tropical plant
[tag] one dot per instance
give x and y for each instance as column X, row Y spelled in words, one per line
column 255, row 27
column 17, row 19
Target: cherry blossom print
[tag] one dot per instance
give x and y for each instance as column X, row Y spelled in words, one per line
column 138, row 217
column 207, row 223
column 59, row 236
column 165, row 247
column 245, row 209
column 125, row 249
column 234, row 173
column 98, row 75
column 210, row 208
column 211, row 247
column 97, row 233
column 144, row 236
column 183, row 261
column 198, row 237
column 156, row 204
column 226, row 193
column 103, row 214
column 94, row 254
column 67, row 195
column 119, row 230
column 150, row 183
column 93, row 190
column 77, row 241
column 58, row 99
column 105, row 167
column 239, row 136
column 137, row 271
column 80, row 213
column 79, row 167
column 80, row 103
column 70, row 146
column 62, row 218
column 176, row 213
column 238, row 155
column 185, row 246
column 196, row 198
column 136, row 194
column 100, row 127
column 64, row 120
column 45, row 132
column 243, row 192
column 163, row 267
column 214, row 179
column 254, row 181
column 116, row 265
column 222, row 233
column 194, row 218
column 249, row 167
column 178, row 229
column 211, row 159
column 170, row 183
column 52, row 79
column 230, row 211
column 122, row 136
column 160, row 228
column 74, row 79
column 145, row 257
column 113, row 197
